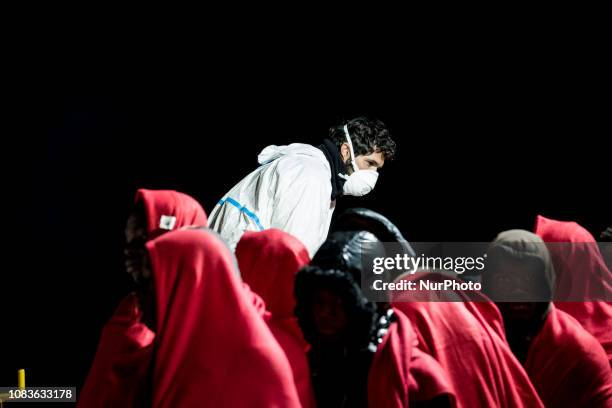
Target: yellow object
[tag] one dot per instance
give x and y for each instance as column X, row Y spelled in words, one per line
column 21, row 378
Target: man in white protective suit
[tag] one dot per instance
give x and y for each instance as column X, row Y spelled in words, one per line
column 296, row 186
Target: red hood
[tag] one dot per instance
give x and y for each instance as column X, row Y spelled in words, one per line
column 268, row 261
column 211, row 344
column 169, row 210
column 581, row 274
column 581, row 271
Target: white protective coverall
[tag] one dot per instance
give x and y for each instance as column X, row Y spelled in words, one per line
column 290, row 190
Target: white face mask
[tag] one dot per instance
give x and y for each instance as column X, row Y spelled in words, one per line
column 361, row 182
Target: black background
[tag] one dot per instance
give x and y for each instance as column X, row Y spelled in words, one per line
column 484, row 144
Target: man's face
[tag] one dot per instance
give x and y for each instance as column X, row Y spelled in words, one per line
column 372, row 161
column 329, row 315
column 134, row 250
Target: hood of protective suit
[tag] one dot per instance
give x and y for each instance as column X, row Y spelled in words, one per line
column 274, row 152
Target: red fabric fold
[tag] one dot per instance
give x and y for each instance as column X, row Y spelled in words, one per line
column 467, row 338
column 268, row 261
column 401, row 373
column 581, row 273
column 568, row 366
column 122, row 360
column 257, row 302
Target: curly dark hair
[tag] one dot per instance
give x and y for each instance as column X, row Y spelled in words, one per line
column 367, row 135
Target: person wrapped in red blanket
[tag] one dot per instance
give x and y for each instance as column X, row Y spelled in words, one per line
column 464, row 332
column 125, row 342
column 567, row 365
column 268, row 261
column 211, row 346
column 582, row 275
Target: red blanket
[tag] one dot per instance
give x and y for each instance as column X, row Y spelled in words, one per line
column 567, row 365
column 167, row 210
column 400, row 372
column 268, row 261
column 122, row 360
column 467, row 339
column 581, row 274
column 212, row 347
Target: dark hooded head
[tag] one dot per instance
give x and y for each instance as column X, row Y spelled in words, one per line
column 519, row 275
column 331, row 307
